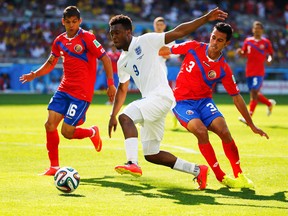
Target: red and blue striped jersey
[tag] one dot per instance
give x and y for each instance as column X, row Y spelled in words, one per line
column 79, row 55
column 256, row 52
column 199, row 74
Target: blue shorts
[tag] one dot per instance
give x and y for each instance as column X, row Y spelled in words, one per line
column 73, row 110
column 203, row 109
column 254, row 82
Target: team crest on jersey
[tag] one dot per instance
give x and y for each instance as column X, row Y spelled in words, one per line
column 212, row 74
column 262, row 46
column 189, row 112
column 138, row 50
column 78, row 48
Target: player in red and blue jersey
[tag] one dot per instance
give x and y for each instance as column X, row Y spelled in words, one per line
column 203, row 66
column 79, row 51
column 257, row 50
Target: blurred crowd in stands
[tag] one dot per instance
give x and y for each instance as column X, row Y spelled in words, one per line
column 28, row 27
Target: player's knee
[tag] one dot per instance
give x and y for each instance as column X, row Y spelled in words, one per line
column 67, row 135
column 151, row 158
column 201, row 132
column 225, row 133
column 124, row 119
column 49, row 126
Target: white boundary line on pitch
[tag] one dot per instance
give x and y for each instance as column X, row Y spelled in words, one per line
column 181, row 149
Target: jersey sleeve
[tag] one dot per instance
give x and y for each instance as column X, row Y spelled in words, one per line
column 94, row 46
column 184, row 47
column 229, row 81
column 55, row 51
column 156, row 40
column 270, row 50
column 123, row 76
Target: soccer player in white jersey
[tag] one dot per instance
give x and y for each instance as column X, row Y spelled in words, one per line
column 139, row 59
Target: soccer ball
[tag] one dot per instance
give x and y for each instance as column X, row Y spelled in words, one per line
column 66, row 179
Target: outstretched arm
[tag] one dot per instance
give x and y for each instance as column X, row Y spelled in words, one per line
column 43, row 70
column 242, row 108
column 188, row 27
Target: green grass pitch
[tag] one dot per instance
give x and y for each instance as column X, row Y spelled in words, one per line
column 160, row 191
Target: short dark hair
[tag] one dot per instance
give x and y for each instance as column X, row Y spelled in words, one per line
column 224, row 28
column 71, row 11
column 125, row 21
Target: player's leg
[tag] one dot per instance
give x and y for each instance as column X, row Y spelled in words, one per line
column 131, row 115
column 151, row 135
column 52, row 141
column 147, row 110
column 56, row 109
column 191, row 121
column 270, row 103
column 254, row 84
column 219, row 127
column 253, row 101
column 75, row 116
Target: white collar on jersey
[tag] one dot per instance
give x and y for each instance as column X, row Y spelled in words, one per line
column 80, row 29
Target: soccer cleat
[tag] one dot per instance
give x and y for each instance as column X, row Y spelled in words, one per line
column 202, row 177
column 96, row 139
column 50, row 171
column 243, row 182
column 228, row 182
column 129, row 168
column 269, row 108
column 241, row 119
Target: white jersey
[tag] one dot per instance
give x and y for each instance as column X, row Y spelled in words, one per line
column 142, row 62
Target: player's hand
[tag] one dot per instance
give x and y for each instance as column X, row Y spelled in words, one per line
column 112, row 125
column 27, row 77
column 269, row 60
column 111, row 92
column 259, row 131
column 239, row 51
column 216, row 14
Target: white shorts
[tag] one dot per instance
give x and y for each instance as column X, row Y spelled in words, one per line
column 150, row 112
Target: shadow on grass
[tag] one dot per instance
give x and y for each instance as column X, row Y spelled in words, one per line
column 71, row 195
column 277, row 127
column 186, row 196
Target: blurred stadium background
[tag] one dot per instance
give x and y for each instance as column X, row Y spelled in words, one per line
column 28, row 27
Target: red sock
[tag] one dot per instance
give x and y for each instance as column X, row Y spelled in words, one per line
column 81, row 133
column 253, row 104
column 263, row 99
column 52, row 139
column 209, row 154
column 231, row 152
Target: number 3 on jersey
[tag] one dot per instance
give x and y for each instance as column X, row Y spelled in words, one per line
column 212, row 107
column 190, row 66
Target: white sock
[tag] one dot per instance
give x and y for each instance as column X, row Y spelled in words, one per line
column 131, row 147
column 187, row 167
